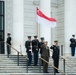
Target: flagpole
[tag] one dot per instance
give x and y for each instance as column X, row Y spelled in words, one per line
column 37, row 28
column 51, row 32
column 37, row 31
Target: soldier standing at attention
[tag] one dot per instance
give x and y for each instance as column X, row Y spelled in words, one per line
column 40, row 46
column 28, row 45
column 55, row 55
column 8, row 42
column 45, row 55
column 35, row 49
column 73, row 45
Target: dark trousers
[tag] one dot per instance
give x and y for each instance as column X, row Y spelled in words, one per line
column 45, row 65
column 73, row 51
column 36, row 58
column 30, row 58
column 8, row 50
column 56, row 64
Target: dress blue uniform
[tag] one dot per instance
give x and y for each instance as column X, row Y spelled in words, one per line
column 28, row 45
column 72, row 45
column 35, row 49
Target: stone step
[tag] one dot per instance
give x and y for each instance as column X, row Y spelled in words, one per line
column 23, row 70
column 14, row 63
column 30, row 67
column 18, row 68
column 34, row 74
column 27, row 74
column 3, row 66
column 9, row 65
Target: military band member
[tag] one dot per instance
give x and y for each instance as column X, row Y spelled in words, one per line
column 8, row 42
column 28, row 45
column 40, row 47
column 55, row 55
column 45, row 55
column 73, row 45
column 35, row 49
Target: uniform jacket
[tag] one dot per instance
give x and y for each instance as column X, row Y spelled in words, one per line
column 35, row 45
column 27, row 45
column 73, row 42
column 9, row 40
column 45, row 51
column 56, row 51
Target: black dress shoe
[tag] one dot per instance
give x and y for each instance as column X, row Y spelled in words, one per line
column 35, row 65
column 29, row 65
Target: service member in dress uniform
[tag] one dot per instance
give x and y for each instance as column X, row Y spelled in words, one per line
column 40, row 47
column 45, row 55
column 35, row 49
column 28, row 46
column 55, row 55
column 73, row 45
column 8, row 42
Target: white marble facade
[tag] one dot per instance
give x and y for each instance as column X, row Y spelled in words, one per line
column 24, row 23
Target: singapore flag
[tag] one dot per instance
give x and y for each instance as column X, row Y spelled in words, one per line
column 44, row 20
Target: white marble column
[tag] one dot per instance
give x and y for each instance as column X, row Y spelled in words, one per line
column 45, row 7
column 69, row 23
column 18, row 26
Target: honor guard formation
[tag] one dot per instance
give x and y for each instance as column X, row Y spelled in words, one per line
column 34, row 48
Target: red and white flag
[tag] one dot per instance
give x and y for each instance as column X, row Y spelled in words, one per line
column 44, row 20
